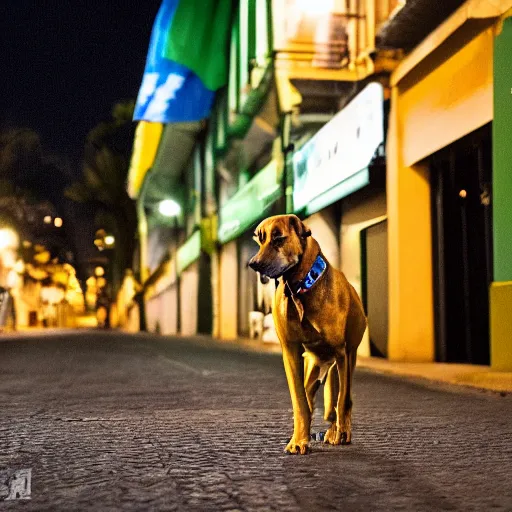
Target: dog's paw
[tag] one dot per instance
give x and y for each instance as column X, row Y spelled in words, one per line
column 336, row 436
column 297, row 447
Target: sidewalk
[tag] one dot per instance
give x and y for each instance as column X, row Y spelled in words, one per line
column 475, row 376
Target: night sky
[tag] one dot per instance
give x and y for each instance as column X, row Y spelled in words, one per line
column 64, row 63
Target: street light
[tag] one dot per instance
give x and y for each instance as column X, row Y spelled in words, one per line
column 110, row 240
column 169, row 208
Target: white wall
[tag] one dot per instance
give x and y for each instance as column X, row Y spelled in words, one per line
column 189, row 282
column 169, row 310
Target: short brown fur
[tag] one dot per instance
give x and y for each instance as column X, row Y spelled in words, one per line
column 328, row 321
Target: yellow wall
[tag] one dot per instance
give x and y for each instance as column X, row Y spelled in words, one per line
column 411, row 324
column 228, row 291
column 446, row 97
column 501, row 325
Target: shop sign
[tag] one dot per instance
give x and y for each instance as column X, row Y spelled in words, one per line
column 188, row 252
column 251, row 202
column 339, row 151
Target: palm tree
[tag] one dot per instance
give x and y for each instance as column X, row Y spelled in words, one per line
column 103, row 186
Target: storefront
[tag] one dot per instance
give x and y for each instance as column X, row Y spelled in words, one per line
column 339, row 189
column 173, row 300
column 239, row 288
column 441, row 181
column 161, row 300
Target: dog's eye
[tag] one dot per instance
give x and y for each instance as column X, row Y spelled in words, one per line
column 278, row 239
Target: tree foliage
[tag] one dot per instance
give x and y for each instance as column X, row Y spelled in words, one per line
column 102, row 185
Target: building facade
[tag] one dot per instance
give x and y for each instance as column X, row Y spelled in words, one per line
column 393, row 150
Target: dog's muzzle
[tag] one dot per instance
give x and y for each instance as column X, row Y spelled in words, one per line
column 254, row 264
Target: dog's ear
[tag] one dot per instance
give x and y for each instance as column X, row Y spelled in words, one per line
column 299, row 227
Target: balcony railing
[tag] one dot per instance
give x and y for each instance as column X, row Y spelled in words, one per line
column 325, row 36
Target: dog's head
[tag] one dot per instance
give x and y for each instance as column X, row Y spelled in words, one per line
column 282, row 240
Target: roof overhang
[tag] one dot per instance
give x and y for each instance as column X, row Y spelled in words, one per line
column 472, row 17
column 174, row 152
column 145, row 147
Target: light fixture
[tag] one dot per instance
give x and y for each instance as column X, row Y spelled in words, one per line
column 47, row 219
column 99, row 271
column 110, row 240
column 57, row 222
column 169, row 208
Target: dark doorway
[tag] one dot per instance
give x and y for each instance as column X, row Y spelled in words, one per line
column 374, row 273
column 462, row 242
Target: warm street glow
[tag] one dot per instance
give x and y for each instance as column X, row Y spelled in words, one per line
column 8, row 238
column 99, row 271
column 19, row 267
column 57, row 222
column 169, row 208
column 47, row 219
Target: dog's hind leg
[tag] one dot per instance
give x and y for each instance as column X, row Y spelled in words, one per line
column 331, row 389
column 345, row 397
column 340, row 431
column 311, row 376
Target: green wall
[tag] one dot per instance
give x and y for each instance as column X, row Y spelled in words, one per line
column 502, row 154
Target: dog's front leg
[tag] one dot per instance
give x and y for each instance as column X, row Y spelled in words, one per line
column 294, row 369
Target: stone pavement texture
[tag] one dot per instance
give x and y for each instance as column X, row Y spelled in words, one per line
column 109, row 421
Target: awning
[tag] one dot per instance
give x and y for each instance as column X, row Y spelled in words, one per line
column 251, row 202
column 413, row 22
column 145, row 147
column 176, row 147
column 335, row 161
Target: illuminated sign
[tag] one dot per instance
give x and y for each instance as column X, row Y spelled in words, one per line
column 329, row 162
column 251, row 202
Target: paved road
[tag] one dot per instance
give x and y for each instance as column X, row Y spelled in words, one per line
column 107, row 421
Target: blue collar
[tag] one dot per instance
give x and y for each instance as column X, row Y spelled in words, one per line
column 315, row 273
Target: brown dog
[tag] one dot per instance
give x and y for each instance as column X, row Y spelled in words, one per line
column 315, row 307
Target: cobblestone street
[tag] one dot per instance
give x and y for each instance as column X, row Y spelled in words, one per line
column 108, row 421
